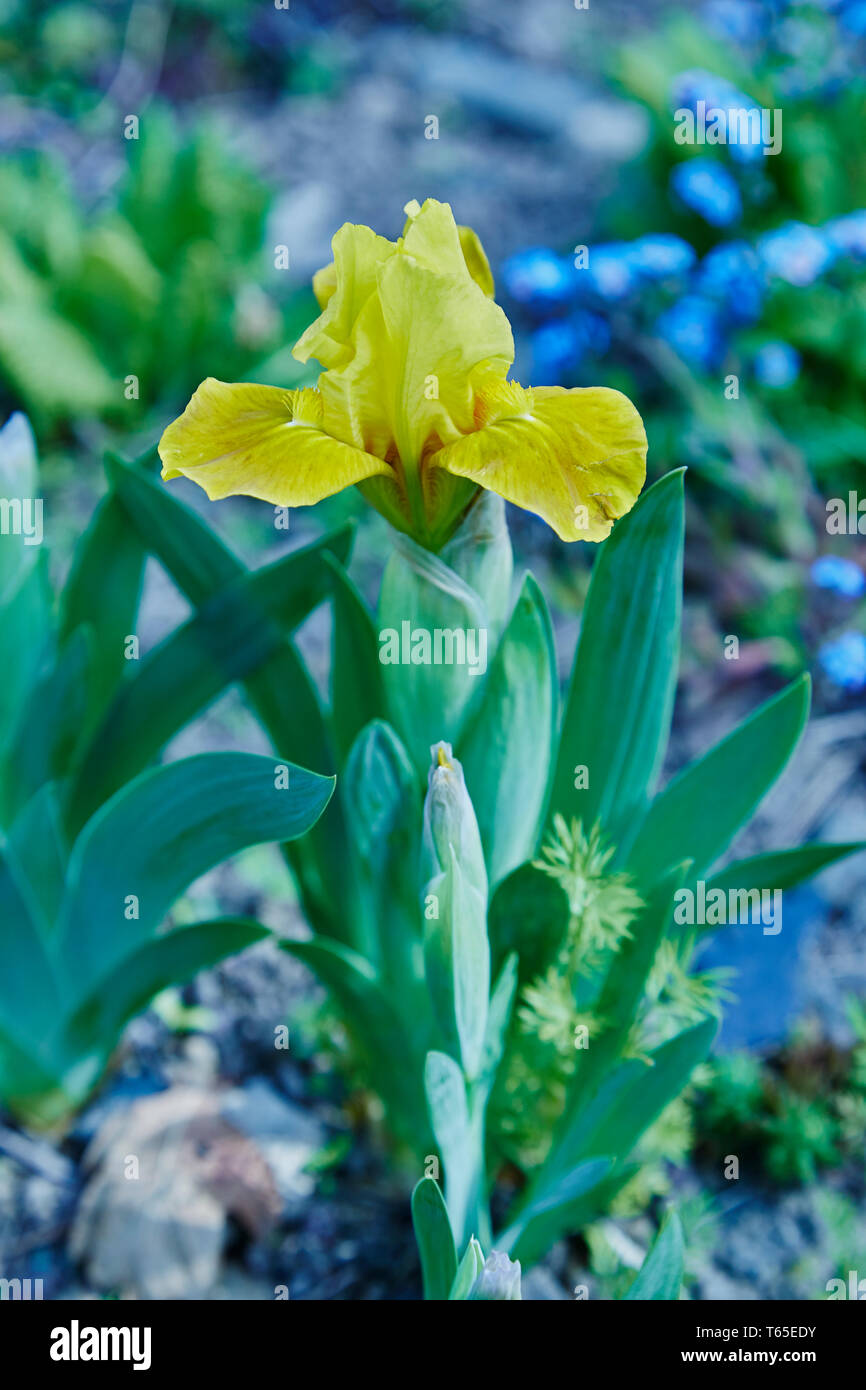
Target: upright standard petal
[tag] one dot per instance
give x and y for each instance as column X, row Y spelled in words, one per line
column 476, row 260
column 342, row 289
column 575, row 457
column 261, row 441
column 407, row 335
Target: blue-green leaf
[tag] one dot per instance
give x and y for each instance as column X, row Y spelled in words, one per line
column 30, row 1088
column 280, row 688
column 661, row 1274
column 168, row 960
column 460, row 1142
column 498, row 1019
column 507, row 749
column 102, row 592
column 197, row 560
column 357, row 693
column 37, row 842
column 435, row 1241
column 628, row 1100
column 547, row 1212
column 160, row 833
column 43, row 745
column 30, row 1001
column 480, row 553
column 528, row 915
column 703, row 807
column 421, row 596
column 623, row 986
column 26, row 642
column 467, row 1271
column 781, row 868
column 618, row 710
column 19, row 478
column 231, row 635
column 25, row 598
column 395, row 1056
column 382, row 801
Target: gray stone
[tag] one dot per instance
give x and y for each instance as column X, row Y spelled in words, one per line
column 286, row 1135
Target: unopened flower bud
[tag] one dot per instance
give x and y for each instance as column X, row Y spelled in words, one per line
column 449, row 820
column 456, row 949
column 498, row 1280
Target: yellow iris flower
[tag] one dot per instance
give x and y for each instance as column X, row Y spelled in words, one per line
column 413, row 405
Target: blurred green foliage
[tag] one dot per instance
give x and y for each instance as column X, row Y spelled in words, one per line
column 801, row 1112
column 96, row 846
column 162, row 281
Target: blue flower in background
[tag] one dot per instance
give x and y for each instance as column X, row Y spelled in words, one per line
column 853, row 18
column 693, row 328
column 555, row 350
column 731, row 275
column 544, row 281
column 540, row 278
column 776, row 365
column 658, row 257
column 698, row 84
column 848, row 234
column 739, row 20
column 610, row 270
column 709, row 189
column 717, row 93
column 843, row 660
column 796, row 253
column 839, row 575
column 557, row 347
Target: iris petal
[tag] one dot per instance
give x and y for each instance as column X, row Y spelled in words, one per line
column 476, row 260
column 342, row 292
column 263, row 442
column 575, row 457
column 408, row 333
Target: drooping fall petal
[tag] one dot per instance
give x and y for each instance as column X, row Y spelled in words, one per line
column 263, row 442
column 575, row 457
